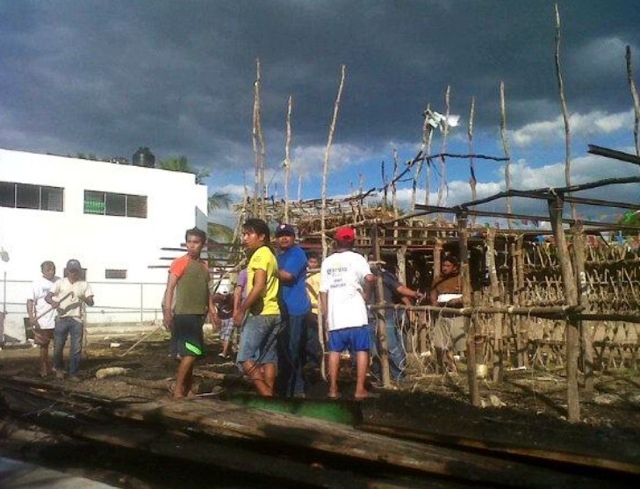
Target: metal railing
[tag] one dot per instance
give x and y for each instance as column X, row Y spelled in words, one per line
column 115, row 301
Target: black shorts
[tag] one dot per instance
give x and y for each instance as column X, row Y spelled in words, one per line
column 187, row 332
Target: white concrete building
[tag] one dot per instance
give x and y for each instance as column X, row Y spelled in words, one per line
column 115, row 219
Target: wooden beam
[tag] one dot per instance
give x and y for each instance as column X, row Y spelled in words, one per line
column 614, row 154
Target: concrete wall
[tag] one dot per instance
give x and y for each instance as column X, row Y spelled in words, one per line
column 28, row 236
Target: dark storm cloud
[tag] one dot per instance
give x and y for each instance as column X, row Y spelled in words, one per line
column 107, row 77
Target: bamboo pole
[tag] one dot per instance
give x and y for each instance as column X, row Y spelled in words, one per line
column 287, row 160
column 426, row 132
column 394, row 187
column 443, row 164
column 325, row 171
column 514, row 299
column 636, row 100
column 436, row 272
column 401, row 259
column 469, row 322
column 507, row 151
column 565, row 110
column 472, row 170
column 258, row 147
column 571, row 299
column 519, row 284
column 548, row 312
column 545, row 193
column 437, row 259
column 381, row 323
column 586, row 344
column 494, row 300
column 385, row 184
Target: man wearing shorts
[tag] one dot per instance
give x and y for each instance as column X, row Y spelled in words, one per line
column 346, row 283
column 257, row 351
column 188, row 284
column 42, row 317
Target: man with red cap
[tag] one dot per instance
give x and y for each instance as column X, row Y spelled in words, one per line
column 346, row 282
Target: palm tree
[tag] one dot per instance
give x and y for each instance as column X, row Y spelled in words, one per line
column 219, row 200
column 181, row 164
column 217, row 232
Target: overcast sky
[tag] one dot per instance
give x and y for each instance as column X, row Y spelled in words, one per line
column 106, row 77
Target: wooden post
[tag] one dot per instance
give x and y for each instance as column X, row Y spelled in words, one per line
column 565, row 110
column 518, row 257
column 586, row 344
column 507, row 153
column 494, row 300
column 287, row 160
column 327, row 155
column 636, row 100
column 515, row 299
column 469, row 323
column 401, row 271
column 430, row 317
column 394, row 190
column 401, row 258
column 437, row 259
column 381, row 326
column 472, row 177
column 443, row 165
column 258, row 148
column 571, row 299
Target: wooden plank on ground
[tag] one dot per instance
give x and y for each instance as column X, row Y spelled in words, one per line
column 222, row 419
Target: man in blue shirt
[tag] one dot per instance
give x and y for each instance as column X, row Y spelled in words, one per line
column 394, row 292
column 292, row 269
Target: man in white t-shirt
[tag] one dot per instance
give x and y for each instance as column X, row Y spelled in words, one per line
column 41, row 315
column 346, row 283
column 71, row 293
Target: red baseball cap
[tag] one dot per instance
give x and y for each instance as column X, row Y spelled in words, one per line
column 347, row 234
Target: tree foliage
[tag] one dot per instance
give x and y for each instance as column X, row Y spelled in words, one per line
column 631, row 219
column 219, row 200
column 181, row 164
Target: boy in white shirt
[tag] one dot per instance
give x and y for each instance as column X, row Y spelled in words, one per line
column 41, row 315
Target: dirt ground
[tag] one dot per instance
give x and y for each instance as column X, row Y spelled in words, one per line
column 527, row 409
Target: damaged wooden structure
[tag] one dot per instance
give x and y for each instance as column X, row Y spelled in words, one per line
column 562, row 296
column 286, row 450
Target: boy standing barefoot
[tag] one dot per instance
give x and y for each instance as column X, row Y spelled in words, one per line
column 257, row 351
column 188, row 282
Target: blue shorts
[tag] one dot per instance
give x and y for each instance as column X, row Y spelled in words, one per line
column 258, row 339
column 187, row 332
column 352, row 339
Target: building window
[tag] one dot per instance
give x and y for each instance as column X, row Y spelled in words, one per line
column 28, row 196
column 115, row 274
column 112, row 204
